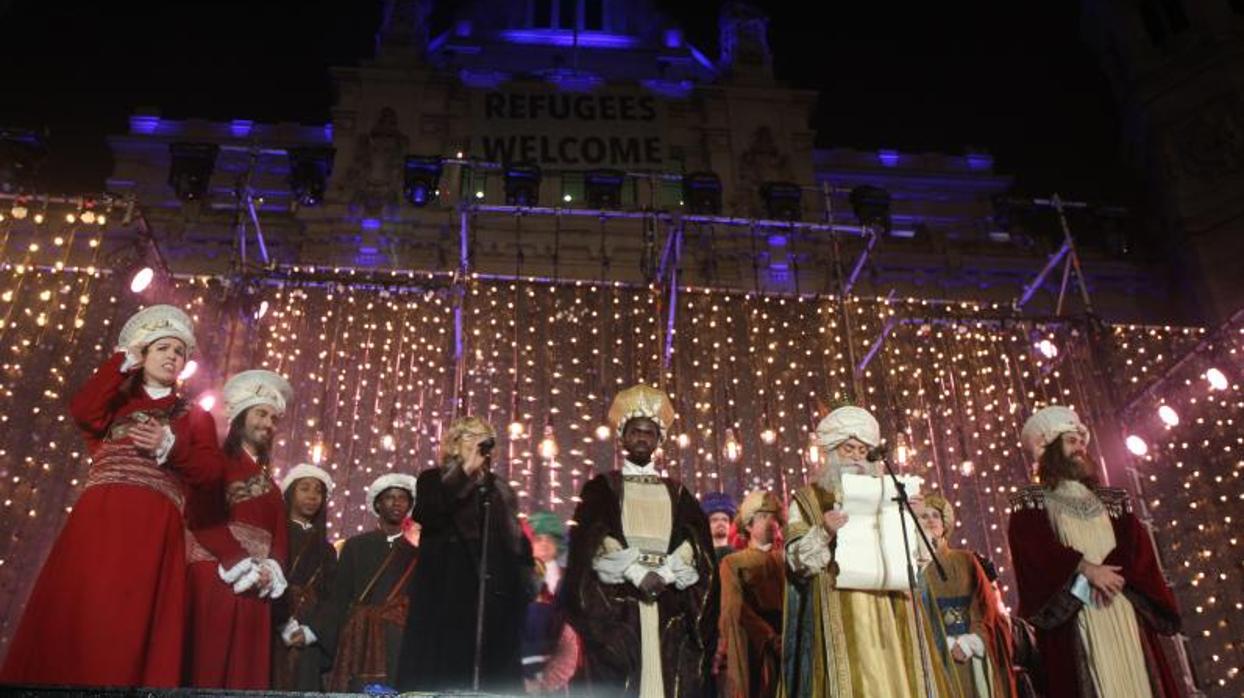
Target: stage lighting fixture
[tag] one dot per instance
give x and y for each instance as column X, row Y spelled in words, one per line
column 190, row 172
column 871, row 206
column 604, row 188
column 783, row 200
column 522, row 184
column 423, row 179
column 701, row 193
column 309, row 170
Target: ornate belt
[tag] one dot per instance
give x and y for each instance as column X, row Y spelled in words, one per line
column 124, row 464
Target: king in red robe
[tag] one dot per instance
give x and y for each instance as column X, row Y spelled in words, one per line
column 108, row 608
column 1088, row 577
column 238, row 542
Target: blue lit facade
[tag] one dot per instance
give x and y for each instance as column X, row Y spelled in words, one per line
column 577, row 86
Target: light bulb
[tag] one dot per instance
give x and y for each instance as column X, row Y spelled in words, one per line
column 768, row 436
column 188, row 370
column 1168, row 415
column 142, row 279
column 1136, row 445
column 602, row 432
column 967, row 467
column 388, row 443
column 1216, row 379
column 207, row 402
column 262, row 311
column 516, row 430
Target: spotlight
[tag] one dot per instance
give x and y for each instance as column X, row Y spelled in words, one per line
column 423, row 179
column 603, row 431
column 262, row 310
column 783, row 200
column 188, row 370
column 142, row 279
column 701, row 193
column 88, row 216
column 522, row 184
column 207, row 402
column 1168, row 415
column 309, row 170
column 604, row 188
column 1047, row 348
column 1136, row 445
column 19, row 210
column 871, row 206
column 191, row 169
column 1216, row 379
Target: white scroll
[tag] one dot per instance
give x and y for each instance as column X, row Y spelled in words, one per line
column 870, row 551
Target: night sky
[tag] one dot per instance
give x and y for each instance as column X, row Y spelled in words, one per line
column 1013, row 78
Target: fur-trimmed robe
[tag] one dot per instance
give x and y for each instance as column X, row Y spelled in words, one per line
column 606, row 616
column 1045, row 570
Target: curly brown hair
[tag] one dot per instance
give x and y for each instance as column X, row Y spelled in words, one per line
column 1054, row 466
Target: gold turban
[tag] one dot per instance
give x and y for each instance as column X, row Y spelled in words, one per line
column 756, row 502
column 942, row 505
column 641, row 401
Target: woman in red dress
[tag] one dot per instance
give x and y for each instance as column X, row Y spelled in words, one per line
column 238, row 544
column 109, row 606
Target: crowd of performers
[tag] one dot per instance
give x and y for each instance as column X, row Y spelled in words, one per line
column 184, row 563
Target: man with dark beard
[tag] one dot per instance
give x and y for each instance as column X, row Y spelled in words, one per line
column 640, row 587
column 452, row 502
column 1088, row 578
column 237, row 544
column 370, row 593
column 298, row 659
column 720, row 510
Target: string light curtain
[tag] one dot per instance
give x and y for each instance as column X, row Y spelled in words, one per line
column 374, row 368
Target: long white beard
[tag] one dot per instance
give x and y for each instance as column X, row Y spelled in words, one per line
column 830, row 477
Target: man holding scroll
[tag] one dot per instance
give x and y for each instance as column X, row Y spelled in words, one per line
column 838, row 641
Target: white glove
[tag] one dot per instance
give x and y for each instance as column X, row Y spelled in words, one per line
column 287, row 633
column 237, row 572
column 166, row 445
column 278, row 585
column 612, row 567
column 676, row 571
column 133, row 358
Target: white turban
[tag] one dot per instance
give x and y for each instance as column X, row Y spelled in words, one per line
column 302, row 470
column 848, row 423
column 1049, row 423
column 256, row 387
column 157, row 322
column 384, row 482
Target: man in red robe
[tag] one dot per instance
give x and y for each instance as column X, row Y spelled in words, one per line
column 1088, row 578
column 237, row 539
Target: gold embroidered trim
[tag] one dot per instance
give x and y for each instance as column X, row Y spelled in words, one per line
column 124, row 464
column 241, row 490
column 257, row 541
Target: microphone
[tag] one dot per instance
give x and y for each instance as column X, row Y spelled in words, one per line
column 486, row 446
column 877, row 454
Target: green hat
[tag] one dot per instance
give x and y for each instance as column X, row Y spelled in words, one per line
column 546, row 523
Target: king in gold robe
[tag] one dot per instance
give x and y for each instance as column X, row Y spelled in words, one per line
column 841, row 643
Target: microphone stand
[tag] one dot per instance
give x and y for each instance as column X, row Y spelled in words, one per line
column 485, row 492
column 904, row 509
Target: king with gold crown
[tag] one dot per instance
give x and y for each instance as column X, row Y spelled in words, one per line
column 640, row 572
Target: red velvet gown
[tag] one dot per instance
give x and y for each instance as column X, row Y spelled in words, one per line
column 1045, row 570
column 230, row 635
column 109, row 606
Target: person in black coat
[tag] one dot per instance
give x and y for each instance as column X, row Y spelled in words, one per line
column 438, row 647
